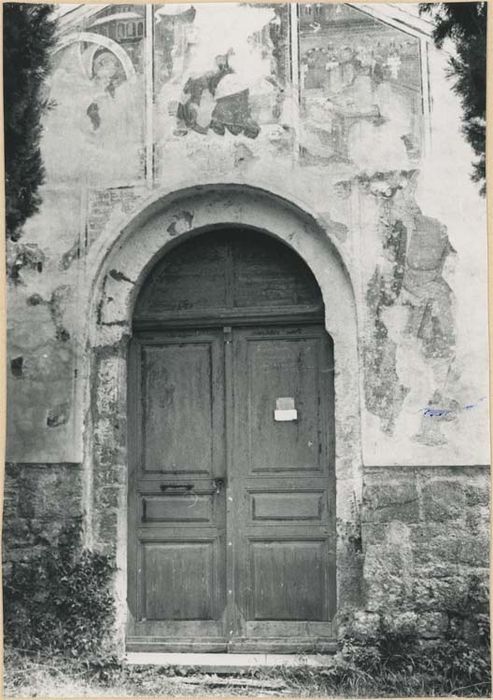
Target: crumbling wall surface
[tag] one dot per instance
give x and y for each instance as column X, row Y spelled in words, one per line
column 423, row 338
column 40, row 502
column 43, row 328
column 405, row 216
column 47, row 279
column 425, row 532
column 107, row 498
column 339, row 161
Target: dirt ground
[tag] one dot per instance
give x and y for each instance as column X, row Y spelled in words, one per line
column 30, row 678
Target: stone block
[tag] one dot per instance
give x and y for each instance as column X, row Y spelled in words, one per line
column 382, row 560
column 402, row 622
column 432, row 625
column 391, row 501
column 478, row 521
column 442, row 594
column 107, row 497
column 24, row 554
column 111, row 475
column 17, row 533
column 48, row 491
column 373, row 533
column 389, row 568
column 107, row 526
column 477, row 495
column 456, row 548
column 385, row 592
column 350, row 579
column 360, row 625
column 443, row 500
column 9, row 508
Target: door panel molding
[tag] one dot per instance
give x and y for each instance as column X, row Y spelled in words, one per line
column 176, row 587
column 270, row 535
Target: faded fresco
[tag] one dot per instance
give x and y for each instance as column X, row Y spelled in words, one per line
column 97, row 100
column 313, row 124
column 210, row 93
column 213, row 85
column 360, row 85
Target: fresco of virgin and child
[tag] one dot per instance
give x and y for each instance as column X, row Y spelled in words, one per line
column 97, row 103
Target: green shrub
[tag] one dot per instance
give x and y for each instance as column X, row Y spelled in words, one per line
column 59, row 601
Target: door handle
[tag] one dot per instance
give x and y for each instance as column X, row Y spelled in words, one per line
column 218, row 485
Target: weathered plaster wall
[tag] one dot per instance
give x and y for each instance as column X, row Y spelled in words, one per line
column 43, row 321
column 414, row 248
column 386, row 217
column 431, row 316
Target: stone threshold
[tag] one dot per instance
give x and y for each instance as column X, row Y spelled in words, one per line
column 226, row 663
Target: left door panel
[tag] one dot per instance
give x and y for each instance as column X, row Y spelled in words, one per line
column 176, row 558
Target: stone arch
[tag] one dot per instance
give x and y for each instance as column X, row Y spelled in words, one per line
column 120, row 265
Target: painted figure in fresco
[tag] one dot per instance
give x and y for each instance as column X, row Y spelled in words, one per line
column 174, row 33
column 105, row 79
column 216, row 100
column 97, row 113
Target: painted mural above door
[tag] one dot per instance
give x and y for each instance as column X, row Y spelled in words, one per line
column 234, row 87
column 96, row 92
column 137, row 87
column 360, row 84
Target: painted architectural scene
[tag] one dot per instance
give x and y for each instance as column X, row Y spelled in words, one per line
column 368, row 90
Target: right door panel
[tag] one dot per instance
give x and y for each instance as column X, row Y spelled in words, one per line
column 283, row 483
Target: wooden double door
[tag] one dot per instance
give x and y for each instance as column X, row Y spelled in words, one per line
column 231, row 489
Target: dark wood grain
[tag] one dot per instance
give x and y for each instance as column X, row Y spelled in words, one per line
column 228, row 272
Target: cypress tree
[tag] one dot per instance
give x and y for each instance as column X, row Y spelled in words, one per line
column 464, row 23
column 28, row 37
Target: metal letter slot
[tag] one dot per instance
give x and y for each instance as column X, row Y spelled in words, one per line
column 217, row 485
column 285, row 410
column 176, row 489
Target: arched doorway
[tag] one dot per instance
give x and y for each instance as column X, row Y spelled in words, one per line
column 231, row 524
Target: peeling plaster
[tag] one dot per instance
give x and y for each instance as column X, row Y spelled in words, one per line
column 56, row 306
column 407, row 295
column 16, row 366
column 58, row 415
column 24, row 256
column 72, row 254
column 119, row 277
column 181, row 222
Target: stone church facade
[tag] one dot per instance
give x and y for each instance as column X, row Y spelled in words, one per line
column 248, row 326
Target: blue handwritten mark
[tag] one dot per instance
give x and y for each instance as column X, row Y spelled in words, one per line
column 438, row 412
column 473, row 405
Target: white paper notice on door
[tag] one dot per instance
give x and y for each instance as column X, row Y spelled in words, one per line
column 285, row 410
